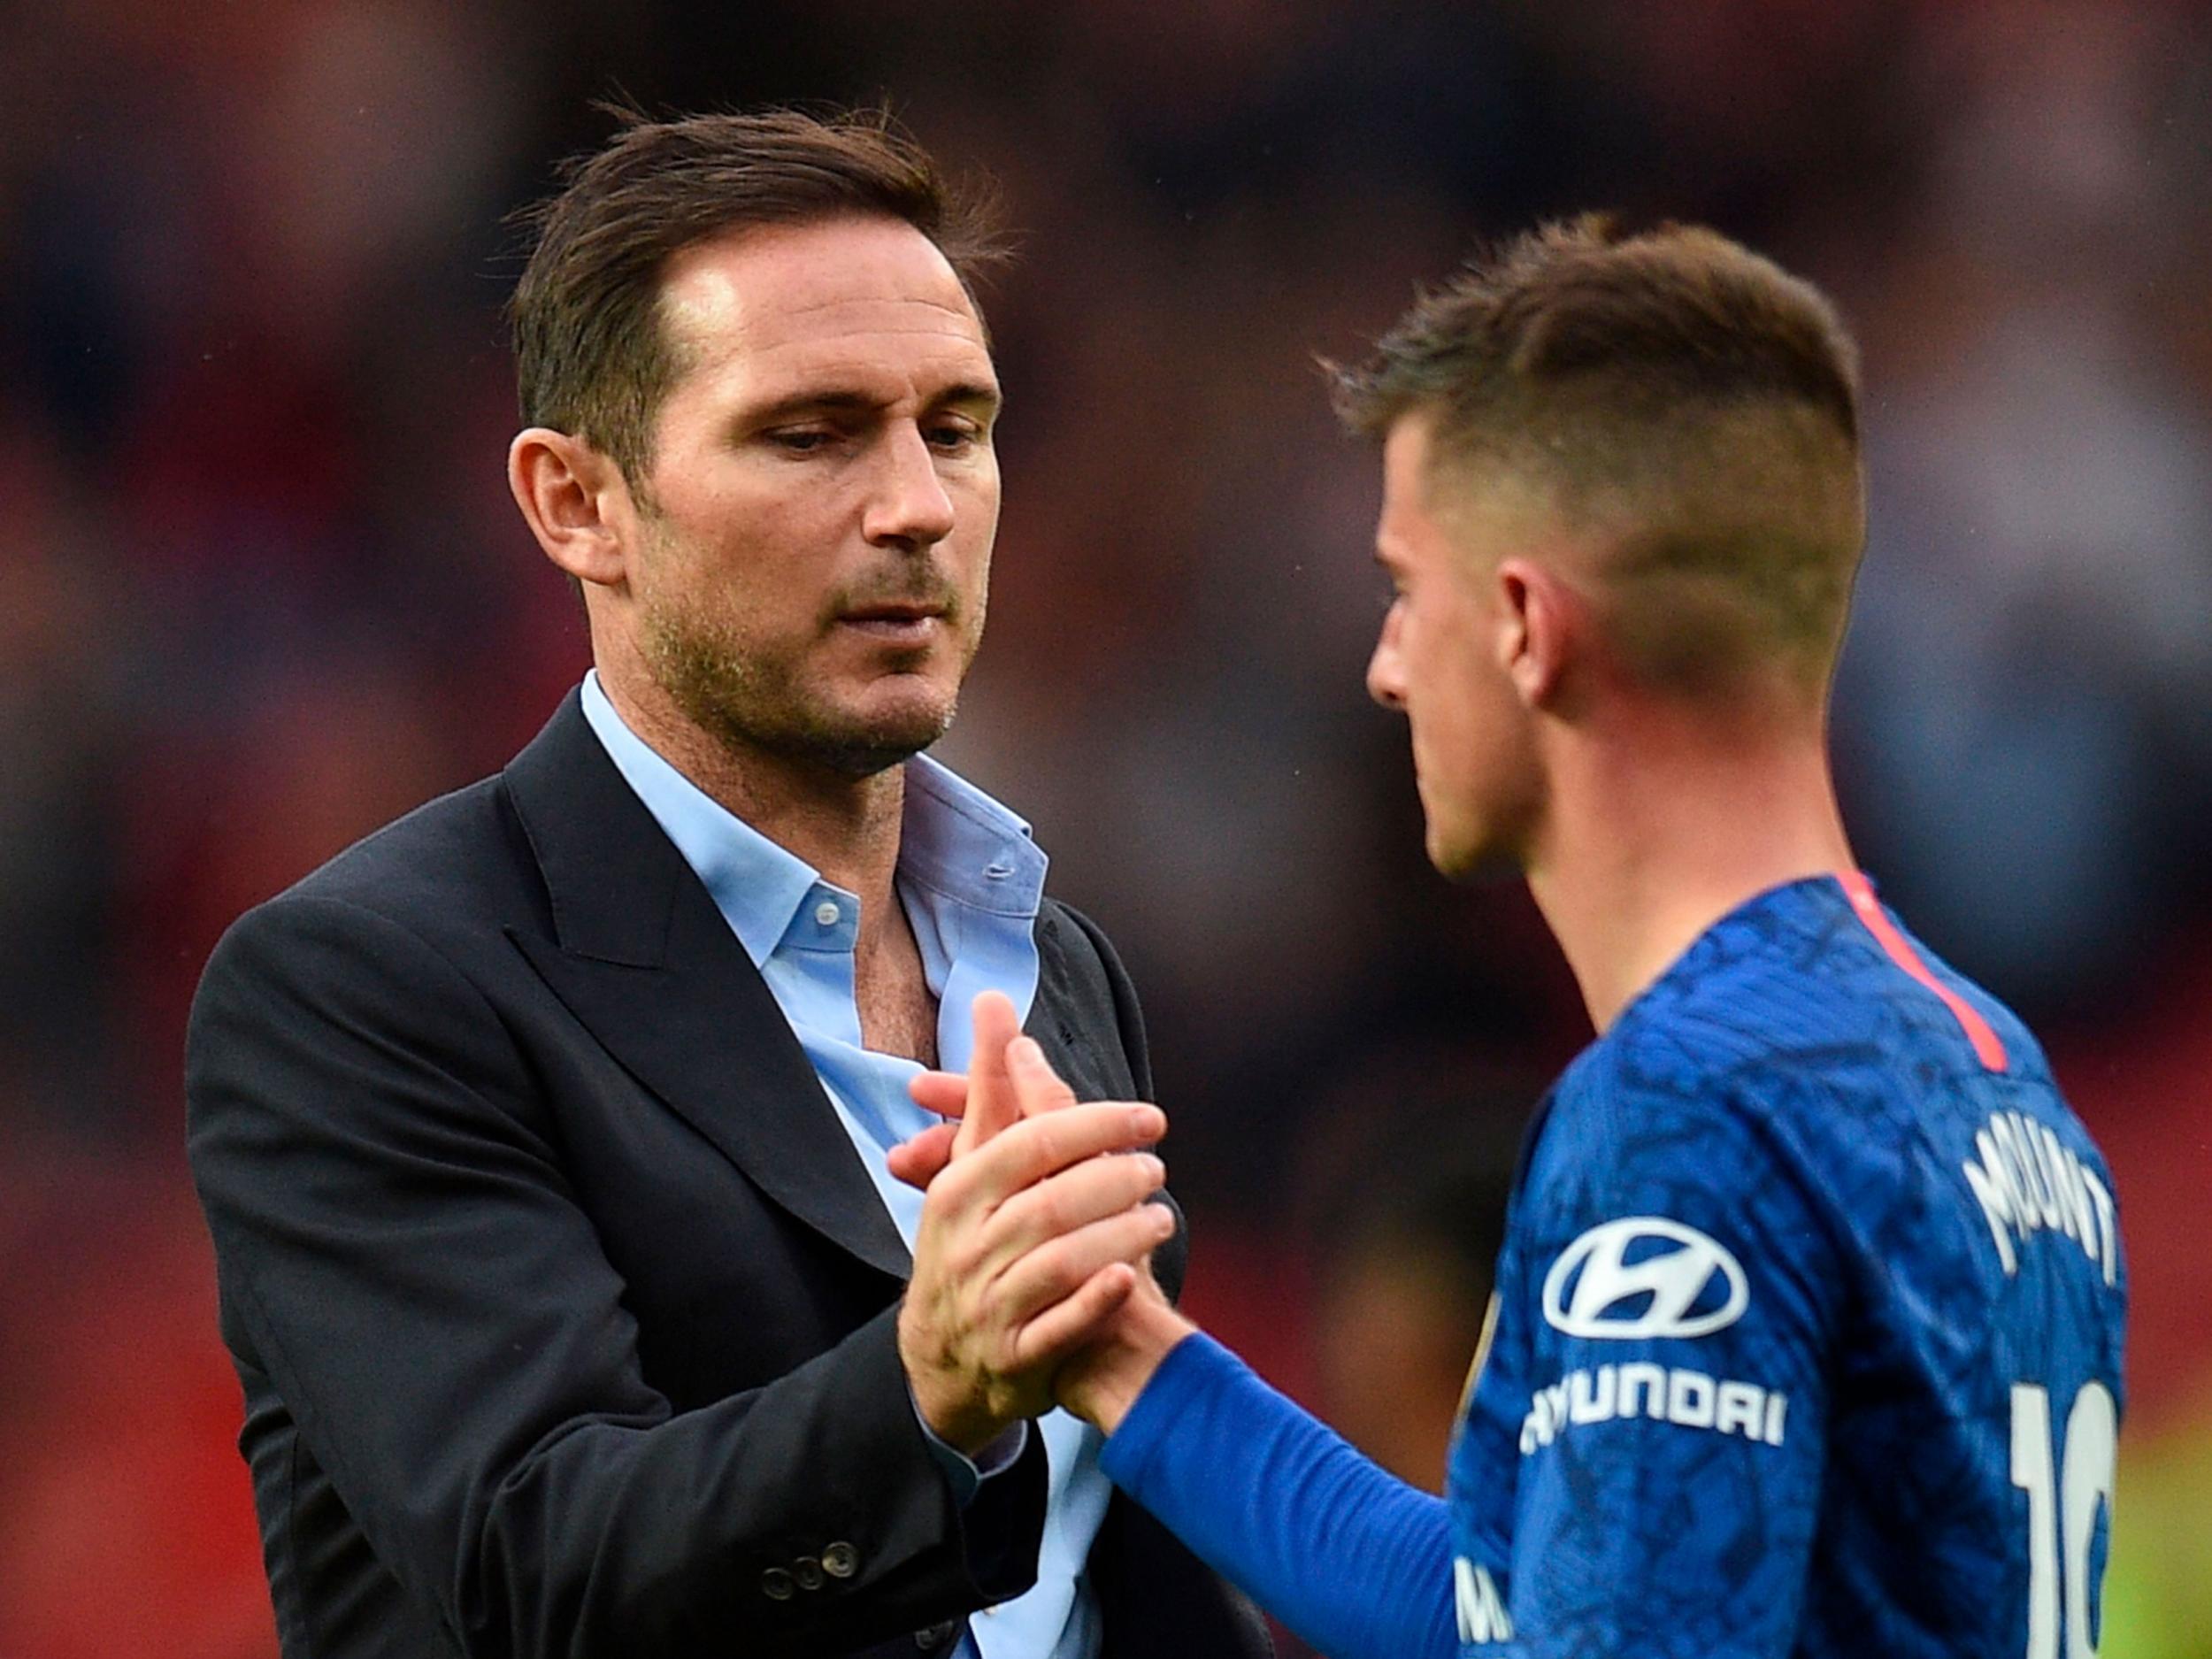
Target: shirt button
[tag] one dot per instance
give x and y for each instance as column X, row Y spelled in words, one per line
column 840, row 1559
column 827, row 913
column 777, row 1585
column 808, row 1572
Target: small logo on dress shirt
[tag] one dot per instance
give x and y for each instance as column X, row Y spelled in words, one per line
column 1681, row 1283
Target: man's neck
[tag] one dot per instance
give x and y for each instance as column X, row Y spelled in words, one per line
column 1650, row 839
column 845, row 827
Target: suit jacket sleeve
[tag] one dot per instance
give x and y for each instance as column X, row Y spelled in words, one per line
column 398, row 1249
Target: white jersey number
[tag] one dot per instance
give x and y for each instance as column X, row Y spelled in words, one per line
column 2062, row 1505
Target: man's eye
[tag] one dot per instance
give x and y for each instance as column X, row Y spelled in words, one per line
column 953, row 437
column 800, row 440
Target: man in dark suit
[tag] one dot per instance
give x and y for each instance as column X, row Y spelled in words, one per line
column 541, row 1135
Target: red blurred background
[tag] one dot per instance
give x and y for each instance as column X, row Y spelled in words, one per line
column 264, row 589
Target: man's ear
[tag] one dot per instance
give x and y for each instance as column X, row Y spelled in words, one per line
column 576, row 502
column 1537, row 618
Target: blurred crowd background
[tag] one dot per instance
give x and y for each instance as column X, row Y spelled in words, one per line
column 261, row 589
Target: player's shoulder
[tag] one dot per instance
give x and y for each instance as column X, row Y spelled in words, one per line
column 1819, row 979
column 1802, row 1020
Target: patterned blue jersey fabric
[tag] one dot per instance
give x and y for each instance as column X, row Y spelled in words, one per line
column 1808, row 1323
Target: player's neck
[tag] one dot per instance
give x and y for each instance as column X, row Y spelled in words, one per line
column 1649, row 843
column 845, row 827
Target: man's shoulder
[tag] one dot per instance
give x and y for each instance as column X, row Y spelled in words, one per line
column 451, row 874
column 442, row 857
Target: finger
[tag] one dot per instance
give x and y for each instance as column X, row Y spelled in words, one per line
column 920, row 1161
column 1039, row 1147
column 991, row 1102
column 1037, row 1086
column 1060, row 1330
column 1076, row 1197
column 944, row 1093
column 1058, row 1267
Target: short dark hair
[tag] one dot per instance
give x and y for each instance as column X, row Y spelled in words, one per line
column 591, row 356
column 1689, row 402
column 1678, row 314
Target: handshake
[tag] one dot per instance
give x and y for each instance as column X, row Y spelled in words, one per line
column 1032, row 1285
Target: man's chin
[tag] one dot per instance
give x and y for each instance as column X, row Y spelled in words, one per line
column 862, row 758
column 860, row 747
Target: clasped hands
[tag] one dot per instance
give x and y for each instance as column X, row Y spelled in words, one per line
column 1032, row 1284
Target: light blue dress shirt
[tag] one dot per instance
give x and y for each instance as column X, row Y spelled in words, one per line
column 972, row 880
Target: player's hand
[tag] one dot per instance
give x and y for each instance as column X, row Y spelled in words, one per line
column 1101, row 1379
column 1028, row 1246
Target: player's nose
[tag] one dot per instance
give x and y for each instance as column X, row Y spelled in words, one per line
column 1386, row 668
column 908, row 503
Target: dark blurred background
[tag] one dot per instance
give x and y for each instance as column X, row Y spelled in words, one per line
column 264, row 588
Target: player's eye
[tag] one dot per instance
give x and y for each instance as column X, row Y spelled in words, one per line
column 953, row 435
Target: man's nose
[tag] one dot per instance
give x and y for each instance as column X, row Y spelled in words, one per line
column 908, row 503
column 1386, row 669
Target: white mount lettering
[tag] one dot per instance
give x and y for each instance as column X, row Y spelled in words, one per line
column 1482, row 1615
column 2027, row 1182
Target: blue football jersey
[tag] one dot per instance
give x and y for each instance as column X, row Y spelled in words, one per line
column 1808, row 1329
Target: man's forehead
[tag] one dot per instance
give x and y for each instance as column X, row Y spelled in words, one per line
column 832, row 288
column 1406, row 449
column 1436, row 494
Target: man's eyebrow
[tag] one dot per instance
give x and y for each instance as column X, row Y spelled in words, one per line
column 971, row 392
column 840, row 400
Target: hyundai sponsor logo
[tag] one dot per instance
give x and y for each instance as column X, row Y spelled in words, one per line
column 1643, row 1277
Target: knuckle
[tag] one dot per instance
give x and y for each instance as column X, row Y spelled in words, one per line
column 1137, row 1177
column 1048, row 1211
column 1051, row 1137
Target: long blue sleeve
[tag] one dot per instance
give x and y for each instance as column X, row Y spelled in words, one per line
column 1355, row 1560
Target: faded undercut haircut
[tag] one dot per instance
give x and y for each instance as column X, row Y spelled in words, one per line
column 592, row 358
column 1670, row 398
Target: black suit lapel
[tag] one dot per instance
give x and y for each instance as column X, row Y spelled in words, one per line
column 1055, row 1019
column 644, row 960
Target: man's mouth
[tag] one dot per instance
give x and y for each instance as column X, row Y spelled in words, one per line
column 895, row 622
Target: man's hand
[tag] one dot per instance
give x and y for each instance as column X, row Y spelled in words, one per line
column 1013, row 1088
column 983, row 1100
column 1026, row 1246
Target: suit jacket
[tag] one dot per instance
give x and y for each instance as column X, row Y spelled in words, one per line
column 563, row 1307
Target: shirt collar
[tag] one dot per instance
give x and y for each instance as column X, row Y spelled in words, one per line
column 955, row 840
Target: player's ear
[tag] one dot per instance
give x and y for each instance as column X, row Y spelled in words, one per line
column 576, row 502
column 1535, row 618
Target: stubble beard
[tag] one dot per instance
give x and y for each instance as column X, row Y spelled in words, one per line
column 753, row 701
